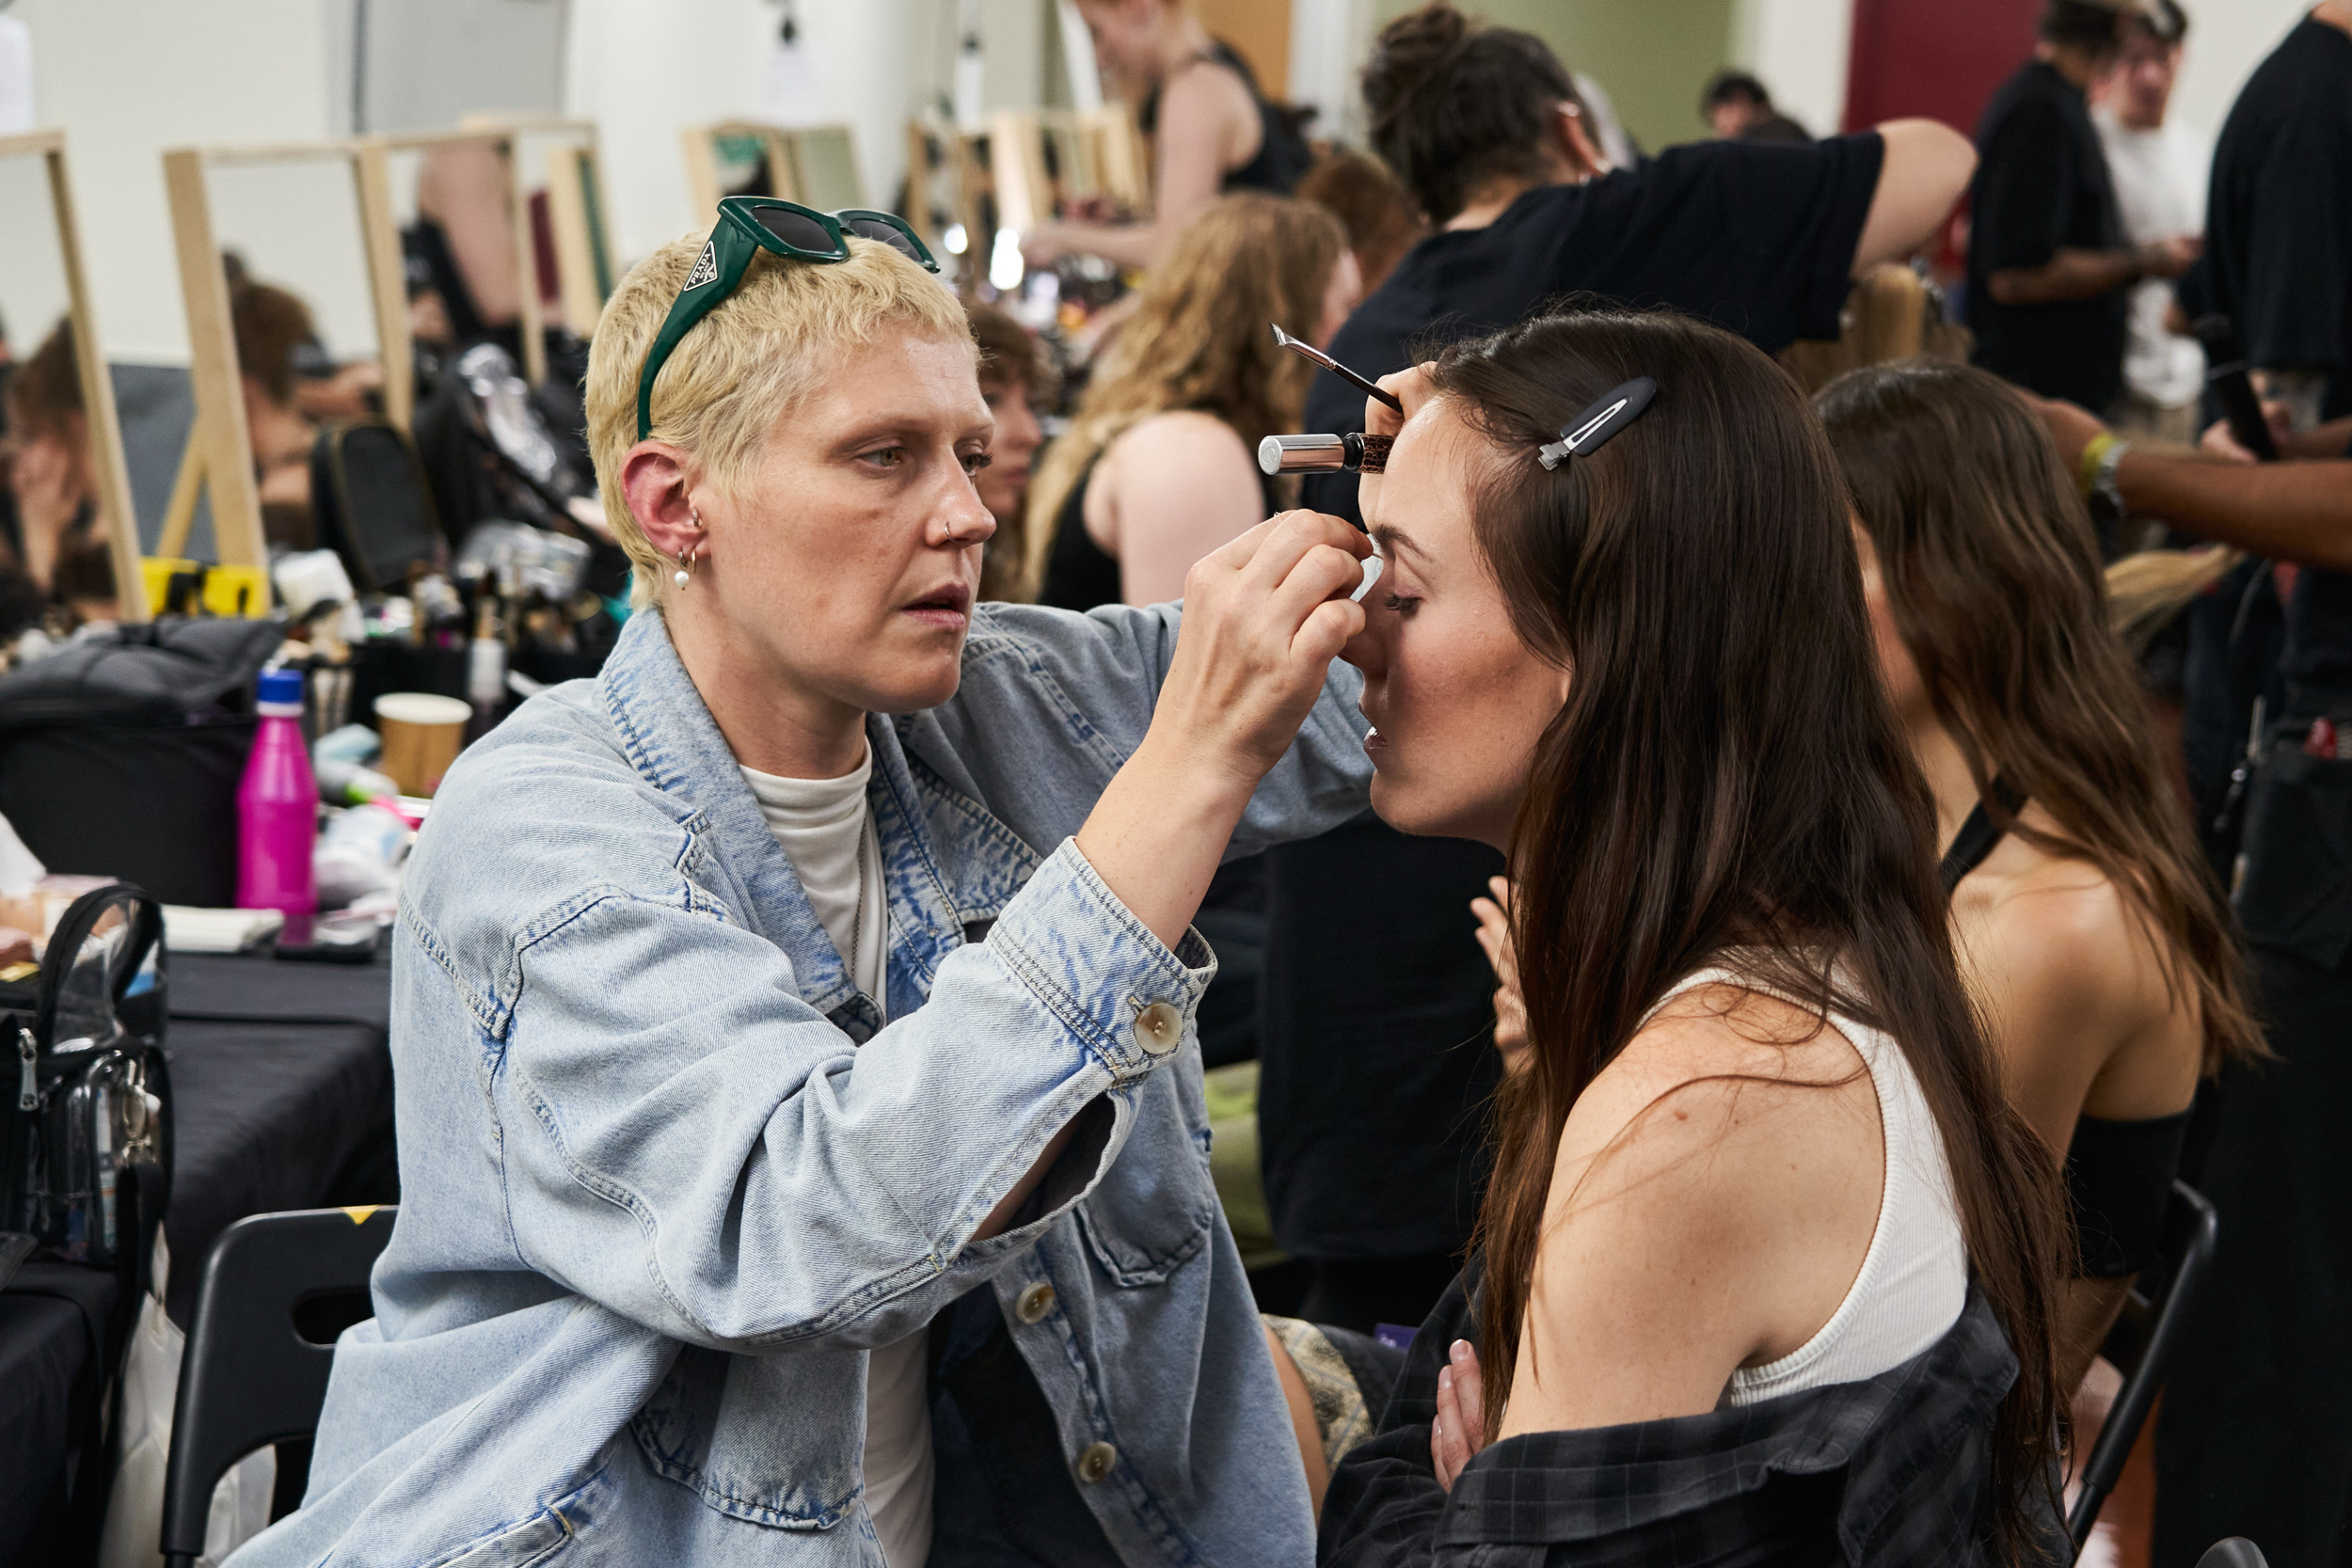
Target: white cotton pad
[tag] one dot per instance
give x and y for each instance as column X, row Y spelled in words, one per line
column 1372, row 575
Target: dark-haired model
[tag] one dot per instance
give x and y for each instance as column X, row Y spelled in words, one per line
column 1375, row 1009
column 1756, row 1186
column 2088, row 926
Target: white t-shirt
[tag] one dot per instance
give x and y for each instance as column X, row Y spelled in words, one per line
column 2159, row 181
column 826, row 829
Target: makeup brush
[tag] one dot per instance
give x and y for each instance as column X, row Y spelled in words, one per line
column 1315, row 355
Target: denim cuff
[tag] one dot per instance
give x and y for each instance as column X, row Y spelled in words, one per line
column 1116, row 987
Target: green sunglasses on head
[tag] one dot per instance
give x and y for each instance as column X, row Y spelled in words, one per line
column 747, row 224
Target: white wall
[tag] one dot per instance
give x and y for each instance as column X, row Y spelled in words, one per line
column 126, row 79
column 2227, row 40
column 1799, row 49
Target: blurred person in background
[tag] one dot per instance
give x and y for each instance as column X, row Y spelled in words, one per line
column 2159, row 166
column 2050, row 267
column 2279, row 219
column 2252, row 1438
column 1376, row 1055
column 1212, row 130
column 1160, row 464
column 57, row 534
column 1012, row 380
column 1377, row 212
column 1737, row 106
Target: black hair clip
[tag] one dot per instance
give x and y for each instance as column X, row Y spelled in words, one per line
column 1611, row 412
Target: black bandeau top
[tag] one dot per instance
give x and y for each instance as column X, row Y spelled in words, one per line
column 2119, row 1174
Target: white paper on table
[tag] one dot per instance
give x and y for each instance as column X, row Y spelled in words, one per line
column 20, row 869
column 189, row 929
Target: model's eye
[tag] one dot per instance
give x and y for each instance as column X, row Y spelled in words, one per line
column 975, row 461
column 1404, row 603
column 886, row 457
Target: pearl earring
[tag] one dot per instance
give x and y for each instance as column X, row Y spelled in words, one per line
column 684, row 574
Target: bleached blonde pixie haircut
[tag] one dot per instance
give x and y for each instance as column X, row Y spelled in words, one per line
column 756, row 358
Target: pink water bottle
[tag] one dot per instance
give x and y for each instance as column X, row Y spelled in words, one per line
column 278, row 804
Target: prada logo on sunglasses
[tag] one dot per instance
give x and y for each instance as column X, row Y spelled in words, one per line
column 706, row 268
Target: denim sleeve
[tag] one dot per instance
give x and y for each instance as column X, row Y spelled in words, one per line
column 686, row 1142
column 1086, row 686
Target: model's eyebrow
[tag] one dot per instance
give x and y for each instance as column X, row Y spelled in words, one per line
column 1395, row 541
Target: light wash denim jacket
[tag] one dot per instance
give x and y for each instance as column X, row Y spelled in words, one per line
column 658, row 1198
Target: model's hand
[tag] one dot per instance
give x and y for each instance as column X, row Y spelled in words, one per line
column 1494, row 935
column 2218, row 441
column 1408, row 387
column 1460, row 1430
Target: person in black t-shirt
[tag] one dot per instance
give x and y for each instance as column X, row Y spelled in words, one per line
column 1377, row 1056
column 2050, row 272
column 2279, row 219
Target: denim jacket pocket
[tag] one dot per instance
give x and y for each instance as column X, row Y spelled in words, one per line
column 759, row 1437
column 1153, row 1211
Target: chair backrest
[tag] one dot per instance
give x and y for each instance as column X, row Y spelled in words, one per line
column 2143, row 1345
column 252, row 1375
column 2236, row 1552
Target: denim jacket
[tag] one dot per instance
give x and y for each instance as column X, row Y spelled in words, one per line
column 664, row 1181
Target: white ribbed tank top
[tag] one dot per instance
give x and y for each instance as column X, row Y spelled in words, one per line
column 1913, row 1280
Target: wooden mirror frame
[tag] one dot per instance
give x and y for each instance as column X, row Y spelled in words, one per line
column 104, row 429
column 782, row 144
column 219, row 457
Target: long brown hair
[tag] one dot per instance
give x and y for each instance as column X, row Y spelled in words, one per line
column 1725, row 774
column 1200, row 340
column 1992, row 575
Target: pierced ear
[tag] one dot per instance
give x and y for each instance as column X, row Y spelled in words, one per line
column 1580, row 147
column 655, row 483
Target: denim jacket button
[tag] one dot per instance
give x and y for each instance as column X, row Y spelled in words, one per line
column 1159, row 1029
column 1096, row 1462
column 1034, row 1303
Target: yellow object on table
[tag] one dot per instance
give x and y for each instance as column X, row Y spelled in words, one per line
column 241, row 593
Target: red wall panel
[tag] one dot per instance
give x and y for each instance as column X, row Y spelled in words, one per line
column 1934, row 57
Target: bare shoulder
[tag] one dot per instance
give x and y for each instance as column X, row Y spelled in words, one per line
column 2056, row 934
column 1212, row 90
column 1716, row 1189
column 1710, row 1100
column 1183, row 447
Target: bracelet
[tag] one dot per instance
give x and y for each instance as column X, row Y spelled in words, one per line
column 2095, row 456
column 2103, row 483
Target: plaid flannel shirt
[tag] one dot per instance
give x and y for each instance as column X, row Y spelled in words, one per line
column 1892, row 1469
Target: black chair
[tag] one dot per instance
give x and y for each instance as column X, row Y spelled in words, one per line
column 277, row 1290
column 2143, row 1345
column 2236, row 1552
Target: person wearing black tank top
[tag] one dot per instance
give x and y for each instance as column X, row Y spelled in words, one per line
column 1158, row 467
column 2091, row 931
column 1212, row 132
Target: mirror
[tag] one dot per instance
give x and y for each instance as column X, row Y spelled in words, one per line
column 815, row 166
column 282, row 272
column 69, row 537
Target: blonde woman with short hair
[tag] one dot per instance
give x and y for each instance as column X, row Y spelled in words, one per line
column 793, row 1026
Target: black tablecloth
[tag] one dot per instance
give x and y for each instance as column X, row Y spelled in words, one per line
column 281, row 1081
column 283, row 1099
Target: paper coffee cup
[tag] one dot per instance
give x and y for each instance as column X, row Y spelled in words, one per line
column 422, row 734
